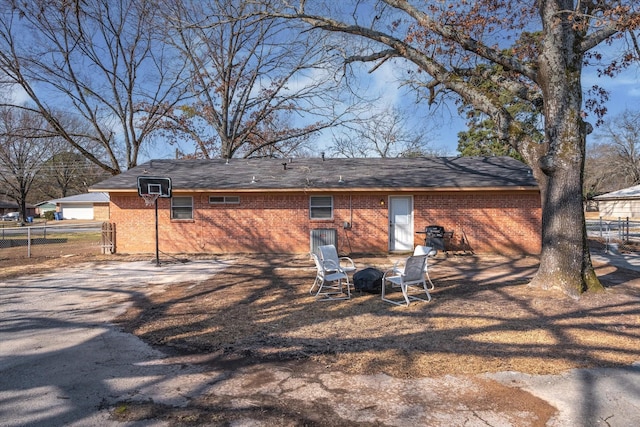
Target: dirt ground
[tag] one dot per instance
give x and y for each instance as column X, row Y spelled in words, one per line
column 483, row 318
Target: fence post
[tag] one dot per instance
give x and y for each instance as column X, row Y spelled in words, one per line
column 627, row 236
column 601, row 227
column 620, row 228
column 28, row 242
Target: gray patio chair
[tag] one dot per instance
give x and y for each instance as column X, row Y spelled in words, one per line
column 330, row 253
column 328, row 284
column 411, row 276
column 419, row 250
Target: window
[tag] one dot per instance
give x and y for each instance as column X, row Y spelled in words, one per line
column 321, row 207
column 182, row 207
column 224, row 200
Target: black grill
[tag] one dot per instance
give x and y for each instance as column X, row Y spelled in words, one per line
column 434, row 231
column 435, row 237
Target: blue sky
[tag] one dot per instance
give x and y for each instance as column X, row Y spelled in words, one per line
column 624, row 89
column 444, row 122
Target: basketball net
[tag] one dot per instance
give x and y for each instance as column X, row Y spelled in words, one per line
column 149, row 199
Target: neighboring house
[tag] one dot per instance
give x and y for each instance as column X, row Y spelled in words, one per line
column 622, row 203
column 89, row 206
column 7, row 206
column 372, row 205
column 44, row 207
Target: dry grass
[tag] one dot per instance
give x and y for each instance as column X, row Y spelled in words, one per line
column 483, row 318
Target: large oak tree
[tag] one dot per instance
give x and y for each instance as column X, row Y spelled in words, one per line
column 535, row 51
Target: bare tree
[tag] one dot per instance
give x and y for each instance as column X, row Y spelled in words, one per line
column 613, row 157
column 385, row 133
column 619, row 138
column 261, row 85
column 23, row 149
column 65, row 174
column 100, row 60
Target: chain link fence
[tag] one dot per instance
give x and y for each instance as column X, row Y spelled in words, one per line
column 46, row 239
column 65, row 238
column 614, row 235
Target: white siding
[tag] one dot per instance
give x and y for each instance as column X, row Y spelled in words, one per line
column 619, row 208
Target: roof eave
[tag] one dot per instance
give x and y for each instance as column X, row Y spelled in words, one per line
column 620, row 198
column 330, row 189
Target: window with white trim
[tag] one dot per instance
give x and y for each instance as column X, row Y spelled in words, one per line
column 182, row 207
column 224, row 200
column 321, row 207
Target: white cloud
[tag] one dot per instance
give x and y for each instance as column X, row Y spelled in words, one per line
column 635, row 92
column 15, row 94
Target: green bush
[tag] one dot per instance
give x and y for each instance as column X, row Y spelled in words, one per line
column 49, row 215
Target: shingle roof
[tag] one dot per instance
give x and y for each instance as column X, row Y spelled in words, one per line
column 5, row 204
column 331, row 173
column 625, row 193
column 8, row 204
column 83, row 198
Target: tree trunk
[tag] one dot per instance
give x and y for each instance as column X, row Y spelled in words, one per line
column 565, row 261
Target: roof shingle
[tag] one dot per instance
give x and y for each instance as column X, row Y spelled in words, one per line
column 330, row 174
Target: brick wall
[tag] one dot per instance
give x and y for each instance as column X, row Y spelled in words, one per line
column 499, row 222
column 504, row 222
column 101, row 211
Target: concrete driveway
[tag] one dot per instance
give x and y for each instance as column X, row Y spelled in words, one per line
column 63, row 364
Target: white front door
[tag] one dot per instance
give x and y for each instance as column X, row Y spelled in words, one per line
column 400, row 223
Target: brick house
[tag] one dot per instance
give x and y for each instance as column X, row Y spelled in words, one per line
column 372, row 205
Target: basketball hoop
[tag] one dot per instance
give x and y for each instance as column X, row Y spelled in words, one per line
column 150, row 188
column 149, row 199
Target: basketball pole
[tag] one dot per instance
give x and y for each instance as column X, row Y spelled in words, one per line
column 157, row 245
column 151, row 188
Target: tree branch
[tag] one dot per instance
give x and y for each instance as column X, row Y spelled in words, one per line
column 466, row 42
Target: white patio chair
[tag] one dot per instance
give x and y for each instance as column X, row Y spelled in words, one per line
column 411, row 276
column 330, row 253
column 328, row 284
column 419, row 250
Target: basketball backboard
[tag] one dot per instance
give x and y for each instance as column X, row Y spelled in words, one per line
column 154, row 185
